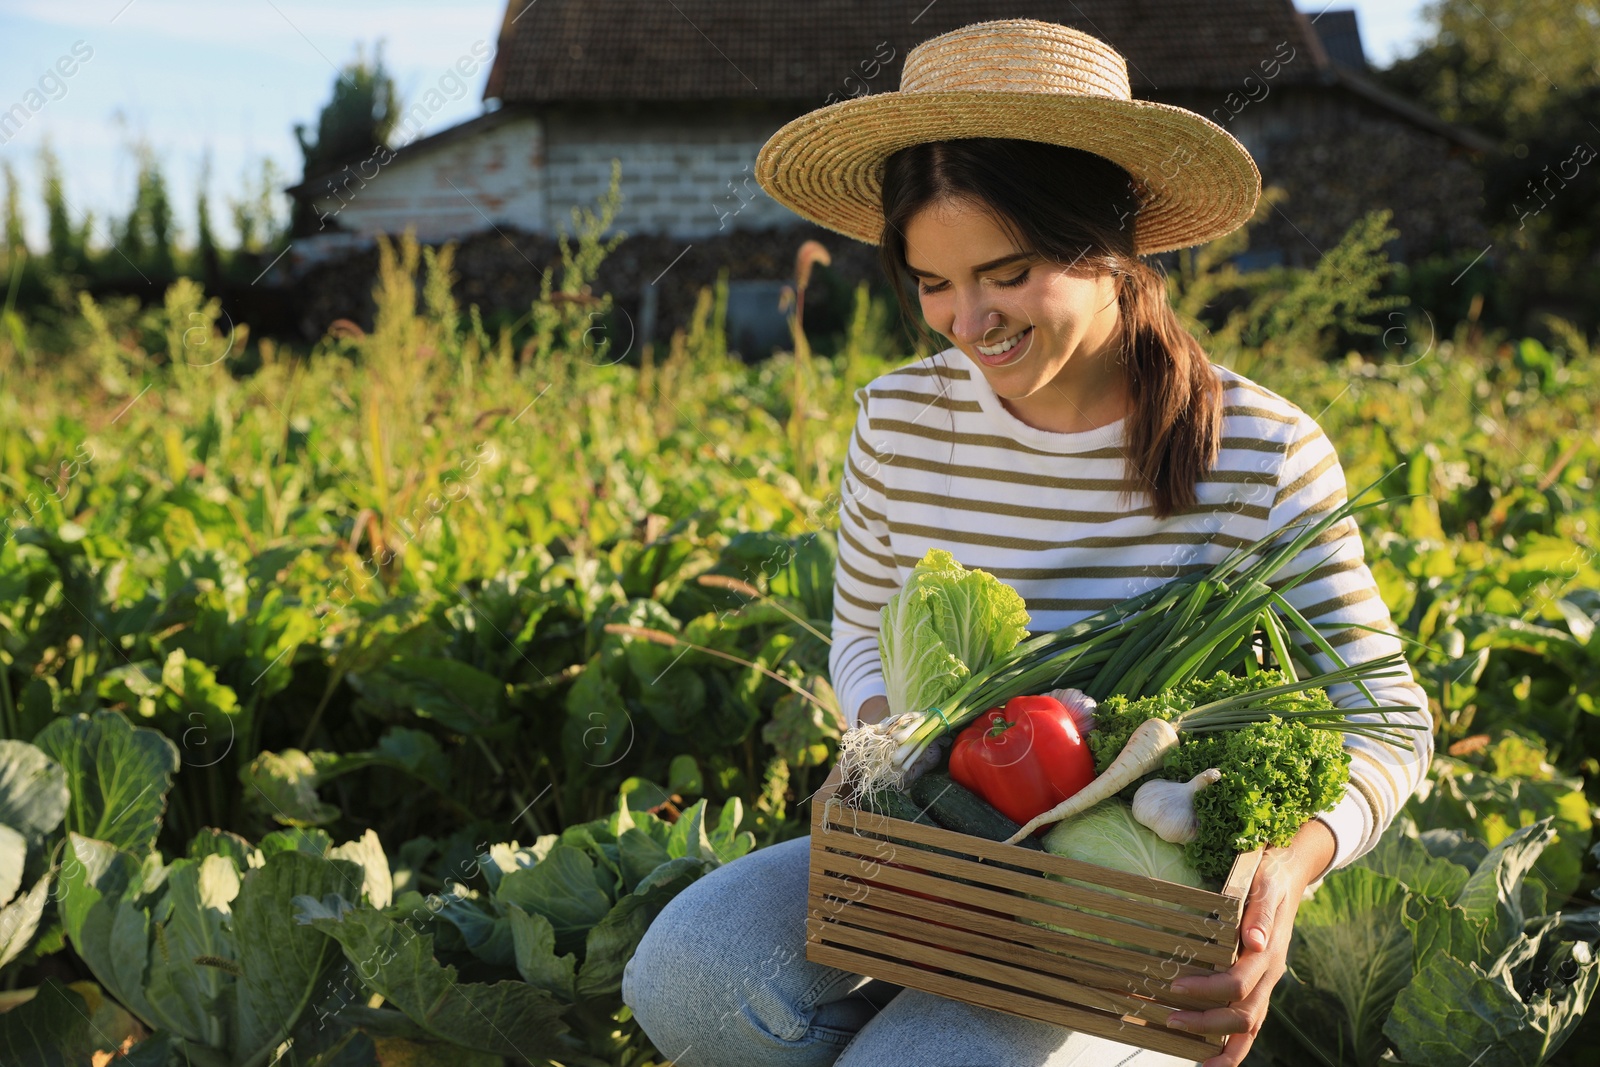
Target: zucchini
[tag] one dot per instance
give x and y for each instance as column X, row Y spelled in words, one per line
column 896, row 805
column 958, row 808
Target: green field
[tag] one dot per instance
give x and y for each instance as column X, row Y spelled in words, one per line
column 311, row 648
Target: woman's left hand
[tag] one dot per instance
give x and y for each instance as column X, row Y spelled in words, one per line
column 1268, row 921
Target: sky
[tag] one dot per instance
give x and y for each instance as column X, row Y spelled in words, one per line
column 229, row 79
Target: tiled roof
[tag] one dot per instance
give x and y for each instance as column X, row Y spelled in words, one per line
column 568, row 50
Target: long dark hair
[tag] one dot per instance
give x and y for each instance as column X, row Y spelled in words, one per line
column 1076, row 207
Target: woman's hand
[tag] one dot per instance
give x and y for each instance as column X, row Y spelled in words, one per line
column 1269, row 913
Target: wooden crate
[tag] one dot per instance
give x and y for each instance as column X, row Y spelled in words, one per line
column 972, row 941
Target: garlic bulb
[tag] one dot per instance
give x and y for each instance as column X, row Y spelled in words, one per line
column 1080, row 706
column 1168, row 807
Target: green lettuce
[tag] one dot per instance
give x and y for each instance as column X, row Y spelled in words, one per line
column 943, row 624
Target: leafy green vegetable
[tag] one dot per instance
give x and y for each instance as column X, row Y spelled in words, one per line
column 558, row 923
column 1424, row 948
column 1457, row 1014
column 62, row 1026
column 1108, row 835
column 512, row 1018
column 33, row 800
column 119, row 775
column 33, row 789
column 943, row 624
column 1276, row 774
column 1521, row 788
column 1118, row 716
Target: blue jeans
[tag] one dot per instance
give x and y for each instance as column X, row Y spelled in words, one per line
column 721, row 980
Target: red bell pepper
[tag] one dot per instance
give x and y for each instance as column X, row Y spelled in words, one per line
column 1024, row 758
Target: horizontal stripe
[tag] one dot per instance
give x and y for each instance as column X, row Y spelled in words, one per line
column 978, row 440
column 1323, row 465
column 865, row 655
column 840, row 611
column 936, row 370
column 941, row 400
column 891, row 583
column 1027, row 511
column 1376, row 803
column 1367, row 758
column 1343, row 600
column 860, row 478
column 943, row 533
column 1293, row 450
column 1114, row 482
column 1262, row 413
column 850, row 540
column 932, row 462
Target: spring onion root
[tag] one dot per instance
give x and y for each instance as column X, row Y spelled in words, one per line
column 870, row 754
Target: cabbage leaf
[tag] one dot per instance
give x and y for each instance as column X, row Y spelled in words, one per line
column 1108, row 835
column 1426, row 951
column 943, row 624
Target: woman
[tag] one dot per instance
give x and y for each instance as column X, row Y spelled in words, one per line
column 1074, row 441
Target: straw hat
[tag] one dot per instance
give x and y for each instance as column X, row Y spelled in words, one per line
column 1025, row 79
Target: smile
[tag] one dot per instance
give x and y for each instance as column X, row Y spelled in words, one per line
column 1004, row 346
column 994, row 355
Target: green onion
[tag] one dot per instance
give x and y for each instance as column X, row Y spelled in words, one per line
column 1186, row 628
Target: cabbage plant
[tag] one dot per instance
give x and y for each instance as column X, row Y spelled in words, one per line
column 1433, row 950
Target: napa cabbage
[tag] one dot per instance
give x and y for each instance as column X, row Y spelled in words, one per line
column 943, row 624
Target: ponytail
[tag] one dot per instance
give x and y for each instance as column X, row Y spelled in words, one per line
column 1174, row 433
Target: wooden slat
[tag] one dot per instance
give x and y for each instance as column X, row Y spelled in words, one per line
column 1005, row 927
column 1014, row 1002
column 836, row 818
column 977, row 967
column 1239, row 879
column 1146, row 986
column 1113, row 903
column 1162, row 941
column 987, row 955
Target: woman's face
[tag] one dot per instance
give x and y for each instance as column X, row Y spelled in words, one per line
column 979, row 288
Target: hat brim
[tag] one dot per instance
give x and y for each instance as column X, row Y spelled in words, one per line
column 1196, row 181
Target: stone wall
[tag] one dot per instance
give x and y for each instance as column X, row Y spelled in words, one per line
column 1337, row 157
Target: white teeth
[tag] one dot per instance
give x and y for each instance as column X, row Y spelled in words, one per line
column 1003, row 346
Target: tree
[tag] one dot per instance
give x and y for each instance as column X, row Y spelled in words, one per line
column 255, row 214
column 1525, row 73
column 353, row 124
column 69, row 245
column 1499, row 65
column 145, row 237
column 16, row 241
column 207, row 262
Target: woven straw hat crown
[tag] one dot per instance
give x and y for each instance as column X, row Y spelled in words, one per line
column 1023, row 79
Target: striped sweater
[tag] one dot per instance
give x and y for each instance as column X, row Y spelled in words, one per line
column 936, row 460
